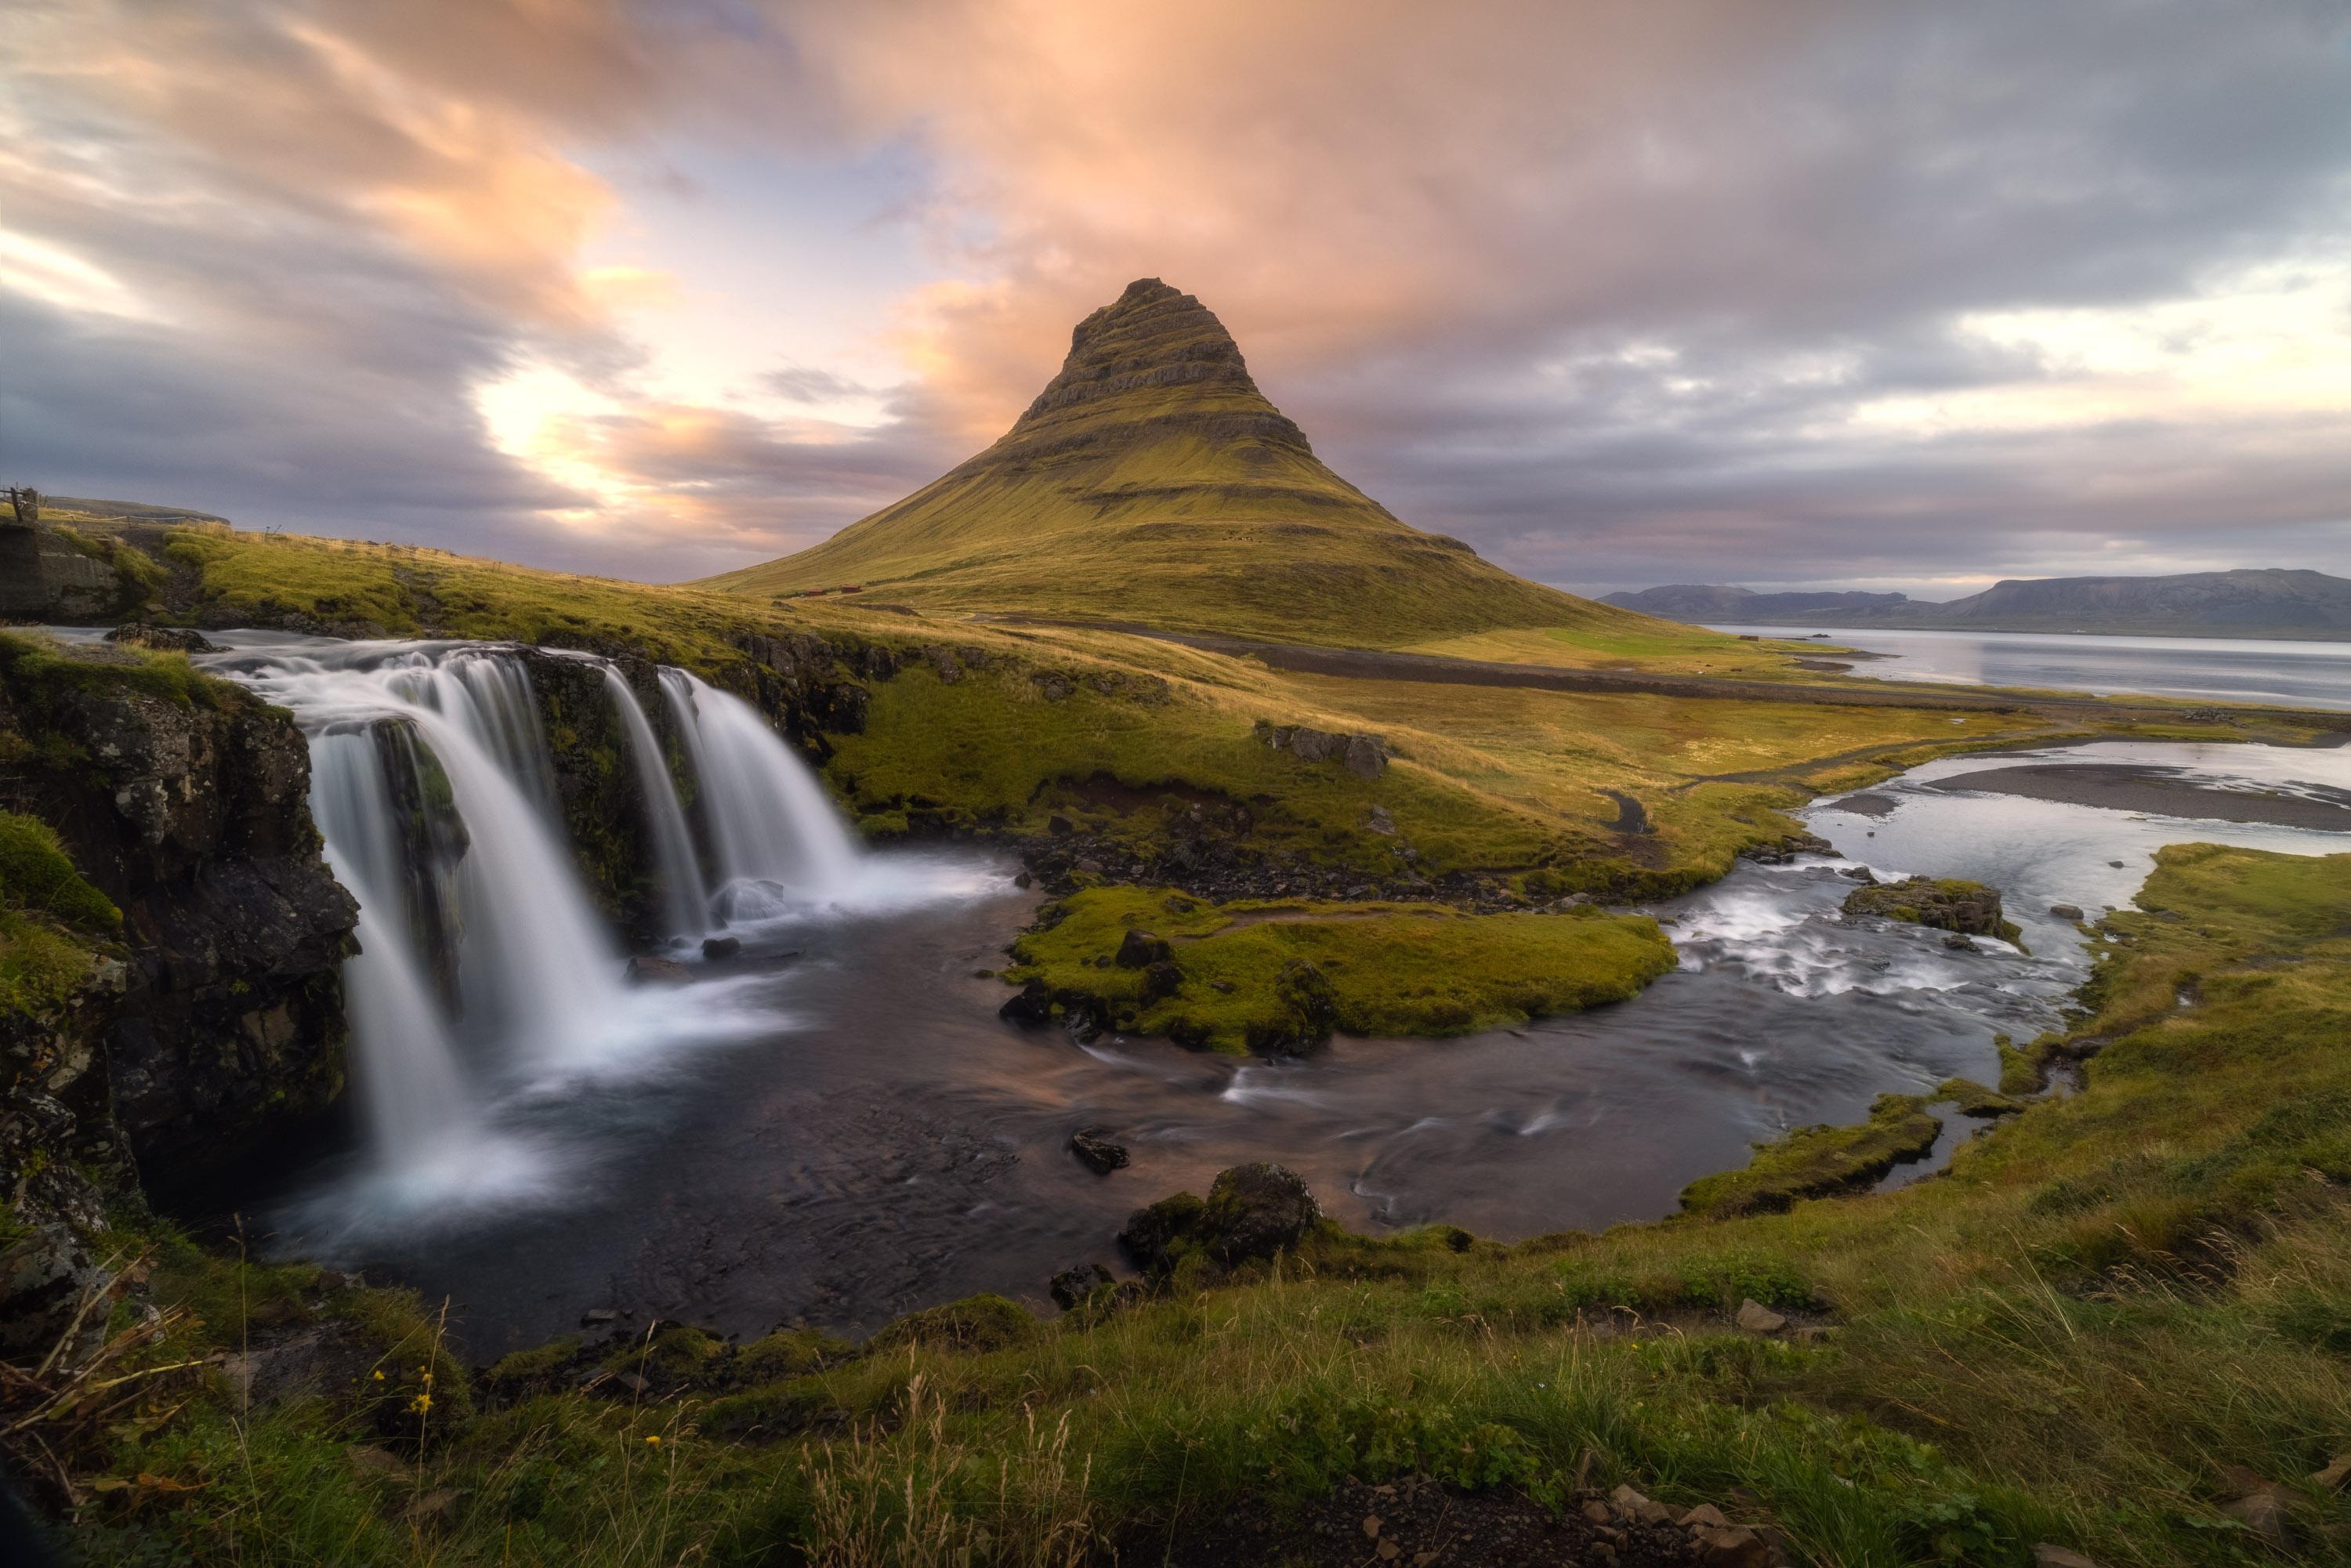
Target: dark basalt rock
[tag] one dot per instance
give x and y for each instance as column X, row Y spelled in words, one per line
column 1032, row 1008
column 1252, row 1213
column 220, row 1029
column 1967, row 908
column 1097, row 1152
column 165, row 639
column 1140, row 949
column 721, row 947
column 1072, row 1286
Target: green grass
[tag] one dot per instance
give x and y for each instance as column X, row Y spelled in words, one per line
column 1251, row 975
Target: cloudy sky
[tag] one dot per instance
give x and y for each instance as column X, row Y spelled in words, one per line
column 1812, row 292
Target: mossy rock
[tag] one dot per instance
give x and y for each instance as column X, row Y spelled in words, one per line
column 982, row 1322
column 1947, row 903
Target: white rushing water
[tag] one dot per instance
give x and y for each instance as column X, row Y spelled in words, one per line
column 776, row 837
column 686, row 901
column 487, row 976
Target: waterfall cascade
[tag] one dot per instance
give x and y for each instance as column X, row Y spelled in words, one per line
column 483, row 959
column 686, row 901
column 774, row 836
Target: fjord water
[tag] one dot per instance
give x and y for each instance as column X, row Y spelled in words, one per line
column 2215, row 669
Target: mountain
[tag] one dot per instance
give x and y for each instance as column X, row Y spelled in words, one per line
column 1152, row 482
column 1691, row 602
column 2266, row 603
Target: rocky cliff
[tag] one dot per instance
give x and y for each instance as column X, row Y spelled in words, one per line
column 211, row 1019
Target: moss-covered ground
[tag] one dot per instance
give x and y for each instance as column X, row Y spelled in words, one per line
column 2118, row 1310
column 1244, row 975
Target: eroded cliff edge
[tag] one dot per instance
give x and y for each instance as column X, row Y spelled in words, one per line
column 153, row 1051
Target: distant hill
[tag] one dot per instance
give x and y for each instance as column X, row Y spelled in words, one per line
column 2265, row 602
column 128, row 511
column 1692, row 602
column 1152, row 482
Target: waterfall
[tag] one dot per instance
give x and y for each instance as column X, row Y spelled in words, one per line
column 776, row 837
column 486, row 967
column 433, row 791
column 685, row 902
column 408, row 1084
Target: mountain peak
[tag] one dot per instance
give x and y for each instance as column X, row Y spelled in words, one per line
column 1152, row 482
column 1152, row 355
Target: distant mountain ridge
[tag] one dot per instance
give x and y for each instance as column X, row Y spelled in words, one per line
column 2271, row 601
column 1152, row 482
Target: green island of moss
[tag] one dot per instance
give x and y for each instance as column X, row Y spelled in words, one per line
column 1262, row 975
column 1815, row 1162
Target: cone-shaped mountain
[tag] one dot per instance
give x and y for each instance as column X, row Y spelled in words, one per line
column 1152, row 482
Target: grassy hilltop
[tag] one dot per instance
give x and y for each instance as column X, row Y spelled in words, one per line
column 1152, row 482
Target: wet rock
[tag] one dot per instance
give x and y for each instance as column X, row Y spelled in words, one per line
column 163, row 639
column 1097, row 1152
column 1957, row 943
column 1141, row 949
column 644, row 970
column 1965, row 908
column 721, row 947
column 1757, row 1318
column 1032, row 1008
column 2066, row 911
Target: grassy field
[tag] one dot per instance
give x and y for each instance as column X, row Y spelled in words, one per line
column 2118, row 1311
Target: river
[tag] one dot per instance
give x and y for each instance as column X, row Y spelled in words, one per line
column 2293, row 675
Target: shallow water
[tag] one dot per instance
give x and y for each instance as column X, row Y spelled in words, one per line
column 885, row 1142
column 2300, row 674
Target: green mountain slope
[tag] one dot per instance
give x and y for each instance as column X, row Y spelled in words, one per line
column 1152, row 482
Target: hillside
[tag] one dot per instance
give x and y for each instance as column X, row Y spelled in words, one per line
column 2268, row 602
column 1152, row 482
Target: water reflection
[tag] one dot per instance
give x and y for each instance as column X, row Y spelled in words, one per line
column 2300, row 674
